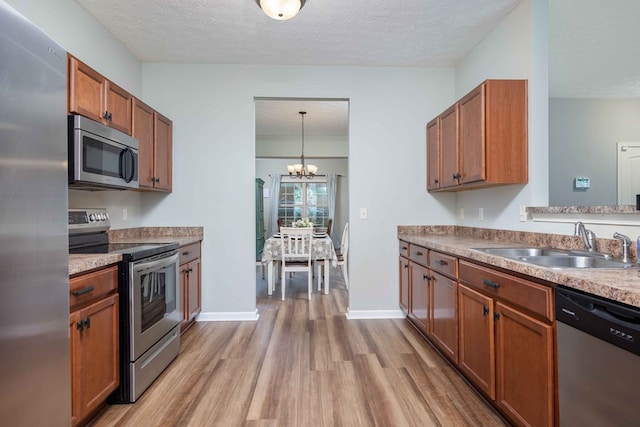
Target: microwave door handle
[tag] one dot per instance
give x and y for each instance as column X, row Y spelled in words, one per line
column 124, row 162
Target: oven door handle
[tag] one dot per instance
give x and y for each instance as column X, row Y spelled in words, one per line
column 147, row 266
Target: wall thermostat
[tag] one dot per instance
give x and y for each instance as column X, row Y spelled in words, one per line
column 582, row 183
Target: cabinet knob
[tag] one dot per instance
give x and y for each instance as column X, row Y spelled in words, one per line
column 435, row 181
column 457, row 175
column 105, row 115
column 496, row 316
column 485, row 310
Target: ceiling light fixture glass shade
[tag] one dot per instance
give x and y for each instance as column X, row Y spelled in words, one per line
column 300, row 170
column 281, row 9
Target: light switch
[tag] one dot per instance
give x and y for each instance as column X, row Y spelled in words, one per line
column 363, row 213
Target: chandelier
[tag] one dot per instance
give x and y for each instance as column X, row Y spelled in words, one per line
column 300, row 170
column 281, row 9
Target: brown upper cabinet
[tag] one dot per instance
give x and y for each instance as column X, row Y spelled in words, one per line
column 95, row 97
column 482, row 139
column 154, row 133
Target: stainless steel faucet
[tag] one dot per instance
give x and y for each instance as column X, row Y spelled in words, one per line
column 626, row 244
column 588, row 236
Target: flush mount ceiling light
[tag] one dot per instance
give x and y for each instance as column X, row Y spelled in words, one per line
column 300, row 170
column 281, row 9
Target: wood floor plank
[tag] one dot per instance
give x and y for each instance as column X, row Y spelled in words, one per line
column 303, row 363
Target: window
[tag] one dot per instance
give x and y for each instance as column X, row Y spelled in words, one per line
column 302, row 199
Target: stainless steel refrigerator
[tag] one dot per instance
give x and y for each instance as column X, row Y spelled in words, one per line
column 35, row 380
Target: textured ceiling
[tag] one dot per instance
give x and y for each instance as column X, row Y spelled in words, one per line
column 594, row 48
column 325, row 32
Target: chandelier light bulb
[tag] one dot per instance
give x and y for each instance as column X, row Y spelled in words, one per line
column 281, row 10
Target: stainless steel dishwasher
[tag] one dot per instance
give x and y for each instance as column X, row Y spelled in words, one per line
column 598, row 360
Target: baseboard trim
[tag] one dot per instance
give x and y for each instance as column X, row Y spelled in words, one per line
column 228, row 316
column 375, row 314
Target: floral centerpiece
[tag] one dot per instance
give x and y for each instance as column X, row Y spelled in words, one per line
column 303, row 223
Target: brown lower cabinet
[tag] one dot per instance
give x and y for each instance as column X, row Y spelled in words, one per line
column 93, row 327
column 497, row 328
column 190, row 283
column 404, row 284
column 420, row 285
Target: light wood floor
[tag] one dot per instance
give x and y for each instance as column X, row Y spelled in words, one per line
column 304, row 364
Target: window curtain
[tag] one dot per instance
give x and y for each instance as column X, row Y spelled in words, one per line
column 274, row 194
column 332, row 179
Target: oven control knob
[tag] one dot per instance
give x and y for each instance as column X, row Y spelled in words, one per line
column 102, row 218
column 92, row 217
column 106, row 215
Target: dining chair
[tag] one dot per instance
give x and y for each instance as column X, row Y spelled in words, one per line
column 296, row 245
column 279, row 222
column 342, row 252
column 329, row 223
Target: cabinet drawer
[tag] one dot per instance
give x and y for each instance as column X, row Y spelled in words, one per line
column 189, row 252
column 445, row 264
column 403, row 248
column 528, row 295
column 418, row 254
column 90, row 286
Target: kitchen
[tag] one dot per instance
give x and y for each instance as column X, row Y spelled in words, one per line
column 212, row 108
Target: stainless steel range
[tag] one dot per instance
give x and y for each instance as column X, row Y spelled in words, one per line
column 150, row 302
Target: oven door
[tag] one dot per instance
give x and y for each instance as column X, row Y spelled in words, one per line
column 155, row 302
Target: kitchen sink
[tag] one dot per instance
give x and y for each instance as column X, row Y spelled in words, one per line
column 557, row 258
column 523, row 252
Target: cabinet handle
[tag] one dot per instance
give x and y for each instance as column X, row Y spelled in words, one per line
column 156, row 180
column 427, row 277
column 404, row 248
column 105, row 115
column 435, row 181
column 83, row 291
column 441, row 263
column 87, row 322
column 83, row 323
column 496, row 315
column 419, row 254
column 485, row 310
column 406, row 266
column 185, row 253
column 80, row 325
column 190, row 270
column 457, row 175
column 488, row 282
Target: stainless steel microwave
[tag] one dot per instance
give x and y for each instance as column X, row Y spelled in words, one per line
column 101, row 158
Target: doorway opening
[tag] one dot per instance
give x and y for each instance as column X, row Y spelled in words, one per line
column 279, row 143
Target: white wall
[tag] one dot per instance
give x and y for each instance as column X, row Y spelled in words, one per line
column 314, row 146
column 214, row 164
column 587, row 131
column 515, row 49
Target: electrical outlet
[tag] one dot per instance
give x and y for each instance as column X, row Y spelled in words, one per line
column 461, row 213
column 523, row 213
column 124, row 214
column 480, row 214
column 363, row 213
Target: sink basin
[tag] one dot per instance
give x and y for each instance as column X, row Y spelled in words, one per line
column 523, row 252
column 556, row 258
column 570, row 261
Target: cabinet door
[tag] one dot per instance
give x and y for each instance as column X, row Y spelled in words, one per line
column 193, row 289
column 95, row 354
column 444, row 321
column 525, row 377
column 403, row 266
column 163, row 133
column 119, row 108
column 472, row 136
column 142, row 130
column 449, row 147
column 477, row 351
column 433, row 154
column 86, row 90
column 420, row 298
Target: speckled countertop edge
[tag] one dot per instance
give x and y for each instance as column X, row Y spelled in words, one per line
column 615, row 284
column 182, row 235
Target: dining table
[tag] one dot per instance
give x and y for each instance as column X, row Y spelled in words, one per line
column 321, row 250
